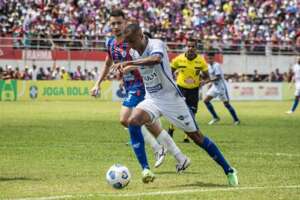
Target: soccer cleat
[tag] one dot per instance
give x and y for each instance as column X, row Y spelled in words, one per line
column 180, row 167
column 232, row 178
column 237, row 122
column 186, row 140
column 147, row 176
column 213, row 121
column 289, row 112
column 160, row 156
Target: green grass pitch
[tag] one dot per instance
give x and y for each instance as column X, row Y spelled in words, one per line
column 62, row 150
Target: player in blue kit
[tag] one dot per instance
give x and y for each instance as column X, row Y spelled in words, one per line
column 118, row 51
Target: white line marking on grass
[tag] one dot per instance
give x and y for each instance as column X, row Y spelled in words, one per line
column 275, row 154
column 172, row 192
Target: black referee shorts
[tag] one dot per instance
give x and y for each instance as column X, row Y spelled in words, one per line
column 191, row 97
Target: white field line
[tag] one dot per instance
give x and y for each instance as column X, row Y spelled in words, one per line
column 158, row 193
column 273, row 154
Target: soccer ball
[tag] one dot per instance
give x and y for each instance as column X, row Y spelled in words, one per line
column 118, row 176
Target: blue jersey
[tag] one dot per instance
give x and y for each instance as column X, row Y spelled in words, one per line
column 133, row 81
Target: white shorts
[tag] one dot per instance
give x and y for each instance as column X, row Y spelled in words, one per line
column 220, row 92
column 297, row 92
column 175, row 111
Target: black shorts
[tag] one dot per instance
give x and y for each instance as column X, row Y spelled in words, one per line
column 191, row 97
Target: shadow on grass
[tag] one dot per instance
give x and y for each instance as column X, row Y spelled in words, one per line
column 173, row 172
column 3, row 179
column 200, row 184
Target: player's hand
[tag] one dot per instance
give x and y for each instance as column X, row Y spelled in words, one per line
column 118, row 67
column 202, row 83
column 95, row 91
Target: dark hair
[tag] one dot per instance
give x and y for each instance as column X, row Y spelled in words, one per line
column 133, row 28
column 117, row 13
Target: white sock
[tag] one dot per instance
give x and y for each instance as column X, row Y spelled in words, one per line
column 149, row 139
column 165, row 139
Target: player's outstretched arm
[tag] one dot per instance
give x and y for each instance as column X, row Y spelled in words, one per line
column 151, row 60
column 103, row 73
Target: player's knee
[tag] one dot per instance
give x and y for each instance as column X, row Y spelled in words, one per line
column 134, row 121
column 206, row 101
column 124, row 122
column 226, row 104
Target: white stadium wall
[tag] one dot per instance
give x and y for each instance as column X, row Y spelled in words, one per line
column 263, row 64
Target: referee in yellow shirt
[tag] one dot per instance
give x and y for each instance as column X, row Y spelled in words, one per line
column 188, row 68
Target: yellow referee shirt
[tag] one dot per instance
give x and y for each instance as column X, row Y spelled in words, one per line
column 189, row 70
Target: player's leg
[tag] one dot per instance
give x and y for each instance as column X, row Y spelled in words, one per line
column 232, row 112
column 296, row 102
column 211, row 109
column 165, row 139
column 185, row 120
column 136, row 135
column 213, row 151
column 148, row 138
column 191, row 99
column 137, row 119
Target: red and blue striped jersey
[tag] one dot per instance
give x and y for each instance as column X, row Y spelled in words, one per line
column 119, row 52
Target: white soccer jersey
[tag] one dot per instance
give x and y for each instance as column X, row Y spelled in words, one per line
column 215, row 70
column 163, row 98
column 297, row 75
column 219, row 87
column 158, row 79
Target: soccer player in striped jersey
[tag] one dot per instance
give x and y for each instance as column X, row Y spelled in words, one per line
column 218, row 89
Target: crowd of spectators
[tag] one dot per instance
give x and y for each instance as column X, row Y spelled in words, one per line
column 49, row 73
column 222, row 24
column 274, row 76
column 60, row 73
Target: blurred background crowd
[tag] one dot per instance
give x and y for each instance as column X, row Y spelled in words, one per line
column 225, row 23
column 60, row 73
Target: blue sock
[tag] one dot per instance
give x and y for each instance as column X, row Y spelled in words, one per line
column 138, row 145
column 210, row 147
column 296, row 101
column 232, row 111
column 211, row 109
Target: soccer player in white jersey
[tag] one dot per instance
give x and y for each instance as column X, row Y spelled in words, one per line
column 118, row 51
column 296, row 79
column 163, row 98
column 217, row 89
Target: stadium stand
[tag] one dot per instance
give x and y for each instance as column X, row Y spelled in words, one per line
column 225, row 24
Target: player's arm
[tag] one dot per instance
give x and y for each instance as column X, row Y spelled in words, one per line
column 103, row 73
column 151, row 60
column 129, row 68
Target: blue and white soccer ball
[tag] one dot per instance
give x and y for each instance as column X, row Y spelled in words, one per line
column 118, row 176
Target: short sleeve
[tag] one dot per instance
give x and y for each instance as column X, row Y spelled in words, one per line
column 157, row 48
column 218, row 70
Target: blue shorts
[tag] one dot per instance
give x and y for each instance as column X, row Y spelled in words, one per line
column 133, row 98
